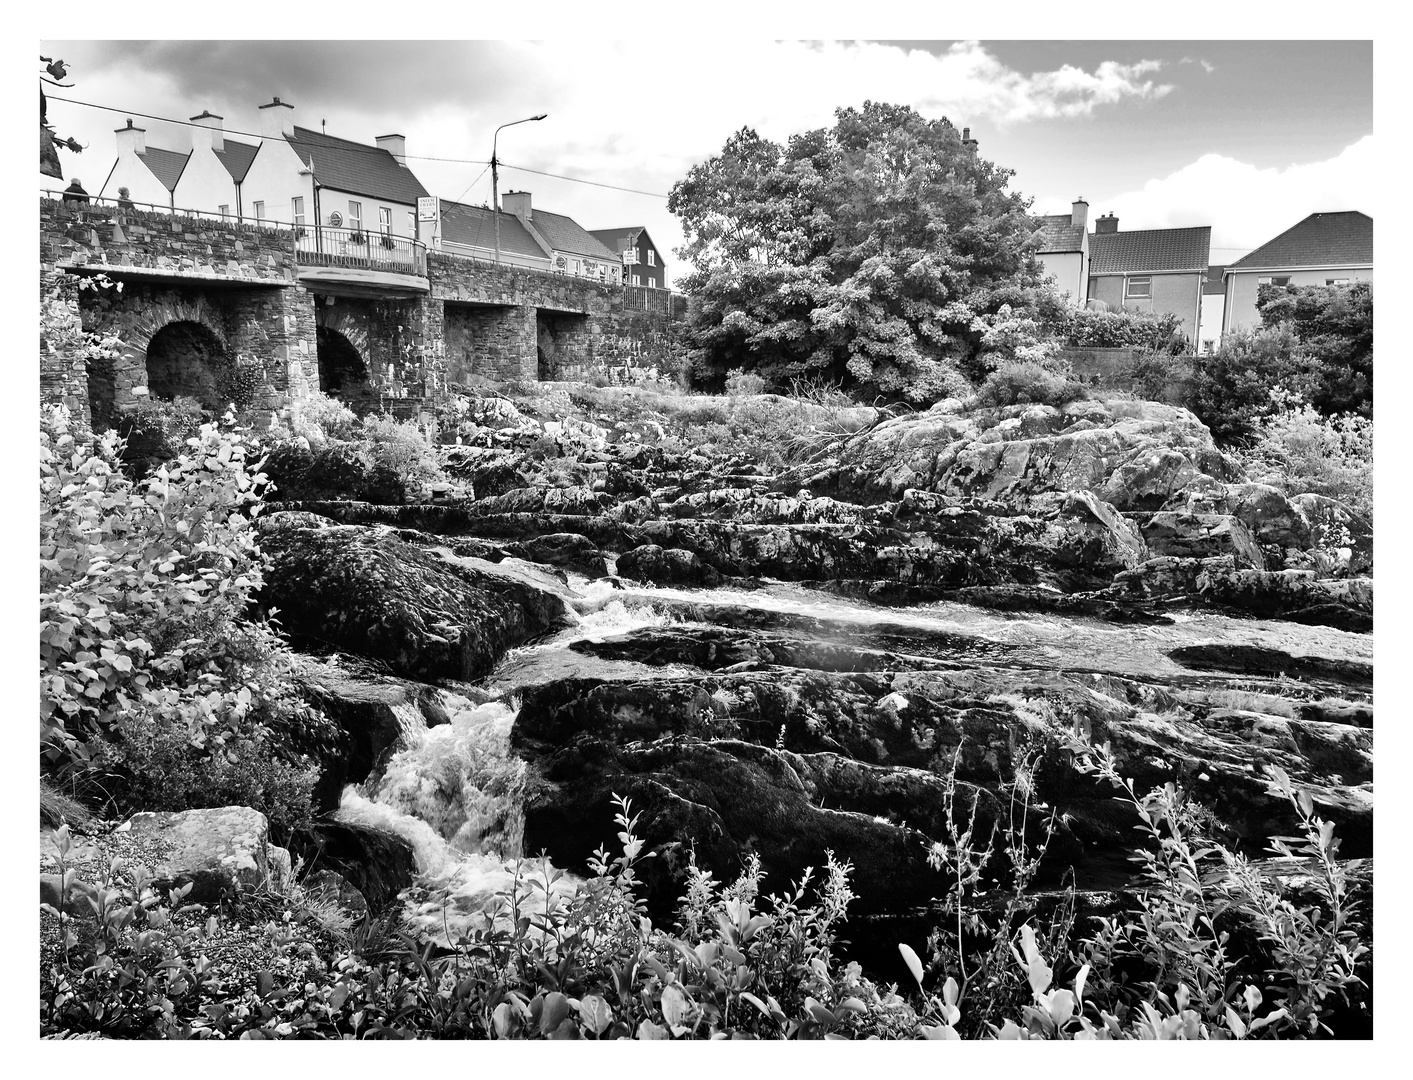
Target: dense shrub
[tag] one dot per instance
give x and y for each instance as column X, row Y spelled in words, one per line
column 1298, row 451
column 1162, row 376
column 1335, row 327
column 744, row 383
column 143, row 593
column 404, row 448
column 1240, row 383
column 155, row 431
column 1025, row 382
column 1085, row 329
column 317, row 418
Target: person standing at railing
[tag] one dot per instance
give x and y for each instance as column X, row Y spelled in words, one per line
column 124, row 199
column 75, row 193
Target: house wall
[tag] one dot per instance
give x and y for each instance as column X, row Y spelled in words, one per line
column 648, row 276
column 142, row 185
column 1175, row 294
column 205, row 184
column 1242, row 286
column 1067, row 268
column 273, row 178
column 331, row 199
column 1213, row 309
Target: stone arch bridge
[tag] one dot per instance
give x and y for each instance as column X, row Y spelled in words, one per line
column 231, row 311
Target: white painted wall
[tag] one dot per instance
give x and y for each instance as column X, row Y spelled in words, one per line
column 273, row 178
column 1242, row 286
column 1067, row 268
column 205, row 183
column 132, row 174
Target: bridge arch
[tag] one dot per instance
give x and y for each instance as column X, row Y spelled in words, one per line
column 342, row 346
column 186, row 358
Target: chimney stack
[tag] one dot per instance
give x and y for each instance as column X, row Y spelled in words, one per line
column 1079, row 213
column 396, row 145
column 1106, row 224
column 131, row 140
column 276, row 120
column 208, row 131
column 967, row 140
column 517, row 203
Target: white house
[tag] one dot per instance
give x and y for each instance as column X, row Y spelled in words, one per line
column 149, row 173
column 214, row 170
column 1064, row 251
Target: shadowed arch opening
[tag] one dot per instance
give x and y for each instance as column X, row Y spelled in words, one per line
column 342, row 372
column 187, row 359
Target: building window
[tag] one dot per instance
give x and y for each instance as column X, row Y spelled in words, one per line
column 574, row 267
column 1273, row 280
column 1336, row 281
column 225, row 209
column 385, row 220
column 652, row 257
column 1138, row 288
column 355, row 216
column 296, row 206
column 259, row 211
column 635, row 279
column 411, row 223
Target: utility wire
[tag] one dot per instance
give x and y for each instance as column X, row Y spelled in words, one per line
column 575, row 179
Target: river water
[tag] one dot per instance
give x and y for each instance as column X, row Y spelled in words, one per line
column 455, row 792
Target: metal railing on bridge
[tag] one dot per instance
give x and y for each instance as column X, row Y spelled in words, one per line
column 313, row 245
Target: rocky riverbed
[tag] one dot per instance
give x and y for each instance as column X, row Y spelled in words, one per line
column 804, row 658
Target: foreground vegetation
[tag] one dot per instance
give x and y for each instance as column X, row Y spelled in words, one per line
column 740, row 963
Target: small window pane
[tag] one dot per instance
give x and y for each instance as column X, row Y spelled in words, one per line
column 297, row 207
column 652, row 256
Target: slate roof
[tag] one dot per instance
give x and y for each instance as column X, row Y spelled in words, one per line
column 1214, row 286
column 236, row 157
column 166, row 165
column 474, row 226
column 353, row 167
column 1339, row 238
column 617, row 239
column 565, row 234
column 1058, row 234
column 1150, row 251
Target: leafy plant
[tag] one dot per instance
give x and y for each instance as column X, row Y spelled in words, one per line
column 1024, row 382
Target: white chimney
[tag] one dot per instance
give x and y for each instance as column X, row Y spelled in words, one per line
column 276, row 119
column 517, row 203
column 131, row 140
column 207, row 130
column 396, row 145
column 1079, row 213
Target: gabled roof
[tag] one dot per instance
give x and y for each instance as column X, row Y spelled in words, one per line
column 1150, row 251
column 1058, row 234
column 565, row 234
column 355, row 168
column 475, row 226
column 1338, row 238
column 1214, row 286
column 617, row 239
column 236, row 157
column 166, row 165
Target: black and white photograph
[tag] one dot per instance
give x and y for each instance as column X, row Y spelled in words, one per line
column 574, row 537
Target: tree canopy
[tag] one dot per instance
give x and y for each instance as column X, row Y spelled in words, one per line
column 863, row 254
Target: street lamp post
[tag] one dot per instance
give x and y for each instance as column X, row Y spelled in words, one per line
column 495, row 177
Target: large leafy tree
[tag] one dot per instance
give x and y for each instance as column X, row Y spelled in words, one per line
column 863, row 254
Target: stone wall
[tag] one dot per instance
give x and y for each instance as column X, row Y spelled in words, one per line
column 92, row 237
column 62, row 378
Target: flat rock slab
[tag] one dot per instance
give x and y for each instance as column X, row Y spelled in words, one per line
column 219, row 852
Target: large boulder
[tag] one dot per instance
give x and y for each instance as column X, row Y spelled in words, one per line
column 376, row 862
column 1201, row 536
column 666, row 566
column 219, row 852
column 424, row 615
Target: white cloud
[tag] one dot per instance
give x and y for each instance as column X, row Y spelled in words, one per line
column 1245, row 205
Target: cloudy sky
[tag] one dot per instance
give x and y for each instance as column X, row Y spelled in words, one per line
column 1247, row 137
